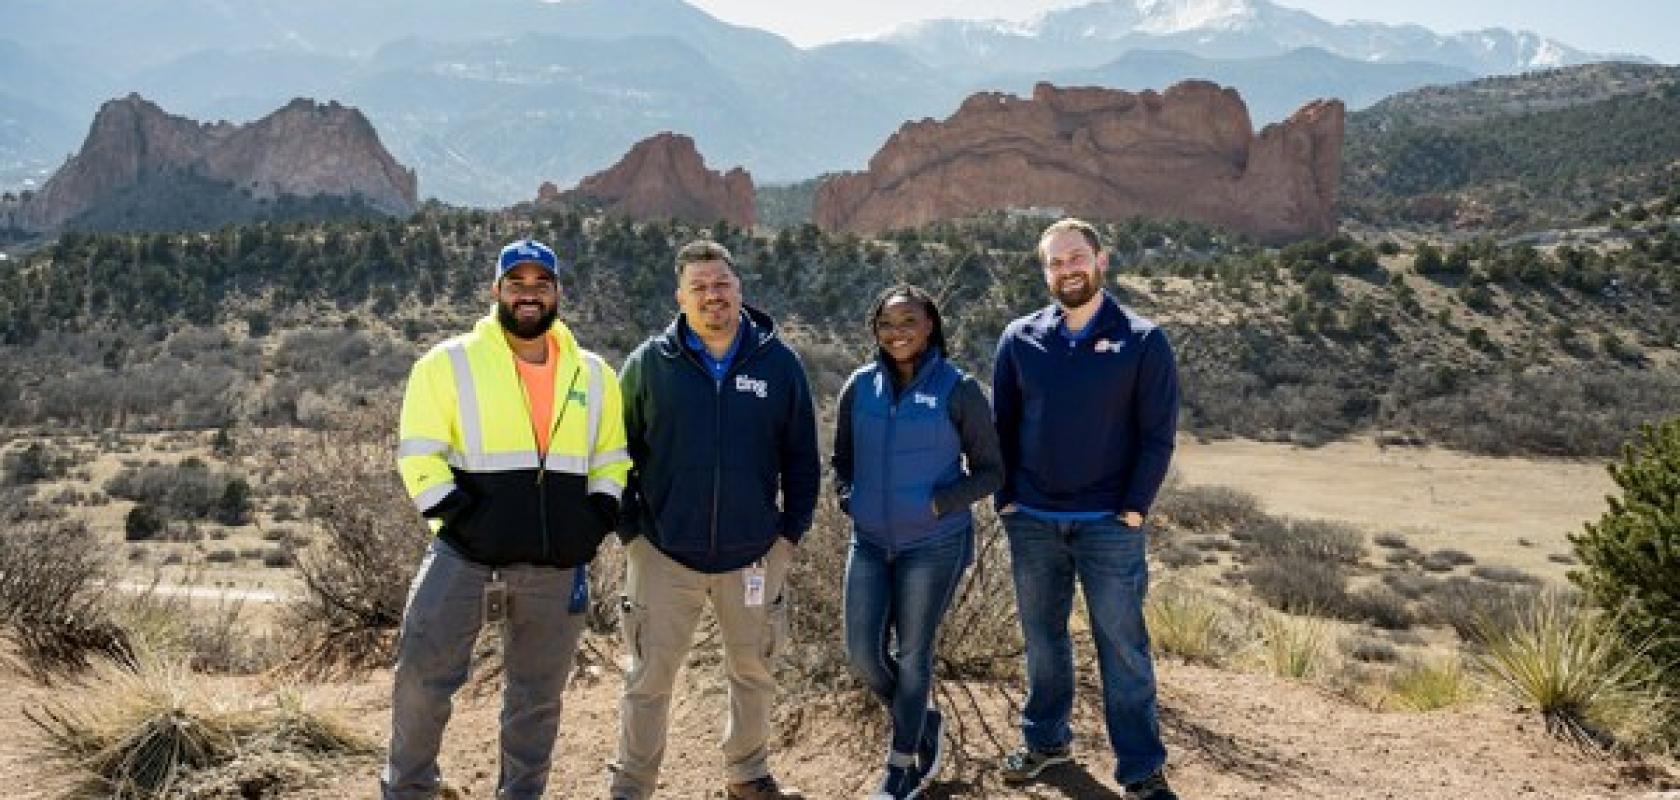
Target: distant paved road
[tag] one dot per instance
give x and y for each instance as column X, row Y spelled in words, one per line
column 206, row 592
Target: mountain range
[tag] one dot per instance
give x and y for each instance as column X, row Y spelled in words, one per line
column 1220, row 29
column 490, row 98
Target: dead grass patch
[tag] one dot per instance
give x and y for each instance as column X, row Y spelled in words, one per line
column 144, row 729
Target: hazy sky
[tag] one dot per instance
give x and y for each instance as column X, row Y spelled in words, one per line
column 1645, row 27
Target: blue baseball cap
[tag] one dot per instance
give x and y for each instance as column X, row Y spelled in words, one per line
column 527, row 250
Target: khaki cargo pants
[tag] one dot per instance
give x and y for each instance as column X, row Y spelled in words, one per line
column 662, row 604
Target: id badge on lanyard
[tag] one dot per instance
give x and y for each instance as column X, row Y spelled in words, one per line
column 753, row 579
column 495, row 606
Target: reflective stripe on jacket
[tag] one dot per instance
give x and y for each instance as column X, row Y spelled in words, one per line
column 469, row 457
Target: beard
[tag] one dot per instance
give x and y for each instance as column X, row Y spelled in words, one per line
column 523, row 328
column 1076, row 296
column 715, row 317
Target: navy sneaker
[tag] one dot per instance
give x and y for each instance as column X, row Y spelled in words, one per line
column 930, row 755
column 1153, row 787
column 902, row 782
column 1024, row 763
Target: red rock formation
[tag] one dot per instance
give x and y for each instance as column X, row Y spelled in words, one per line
column 1189, row 153
column 303, row 149
column 664, row 176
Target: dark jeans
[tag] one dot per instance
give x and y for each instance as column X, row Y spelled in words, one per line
column 1108, row 560
column 901, row 596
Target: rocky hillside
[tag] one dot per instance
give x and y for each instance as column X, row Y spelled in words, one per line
column 1188, row 153
column 138, row 157
column 1517, row 152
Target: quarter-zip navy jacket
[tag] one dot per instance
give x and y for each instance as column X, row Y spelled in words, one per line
column 1086, row 424
column 712, row 455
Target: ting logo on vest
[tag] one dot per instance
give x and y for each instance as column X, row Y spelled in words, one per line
column 925, row 399
column 753, row 386
column 1106, row 346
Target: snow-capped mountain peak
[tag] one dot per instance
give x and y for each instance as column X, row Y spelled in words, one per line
column 1165, row 17
column 1101, row 30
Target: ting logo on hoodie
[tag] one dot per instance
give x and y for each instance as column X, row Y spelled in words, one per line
column 754, row 386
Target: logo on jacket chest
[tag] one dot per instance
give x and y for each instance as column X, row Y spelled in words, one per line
column 1109, row 346
column 924, row 399
column 747, row 384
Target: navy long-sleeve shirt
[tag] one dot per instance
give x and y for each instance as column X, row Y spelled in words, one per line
column 1086, row 423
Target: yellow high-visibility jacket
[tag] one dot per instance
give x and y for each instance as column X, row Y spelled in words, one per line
column 469, row 457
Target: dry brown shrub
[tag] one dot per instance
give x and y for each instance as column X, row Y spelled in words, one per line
column 368, row 542
column 53, row 596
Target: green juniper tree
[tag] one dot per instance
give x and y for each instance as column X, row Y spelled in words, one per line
column 1631, row 557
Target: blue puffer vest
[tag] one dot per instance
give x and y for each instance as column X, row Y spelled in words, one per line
column 904, row 448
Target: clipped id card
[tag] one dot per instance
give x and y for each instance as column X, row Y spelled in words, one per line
column 754, row 578
column 495, row 600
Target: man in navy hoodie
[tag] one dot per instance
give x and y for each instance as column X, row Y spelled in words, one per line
column 718, row 416
column 1085, row 395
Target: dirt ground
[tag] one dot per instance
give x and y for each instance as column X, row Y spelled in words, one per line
column 1231, row 733
column 1504, row 511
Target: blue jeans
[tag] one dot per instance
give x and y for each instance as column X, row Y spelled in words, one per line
column 1108, row 559
column 901, row 595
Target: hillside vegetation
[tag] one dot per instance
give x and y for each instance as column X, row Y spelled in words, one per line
column 1490, row 348
column 1514, row 152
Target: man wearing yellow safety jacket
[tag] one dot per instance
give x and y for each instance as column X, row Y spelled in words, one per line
column 513, row 448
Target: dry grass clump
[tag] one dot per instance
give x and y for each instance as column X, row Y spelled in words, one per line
column 1467, row 604
column 1568, row 662
column 1314, row 539
column 144, row 728
column 1299, row 584
column 1189, row 624
column 1429, row 685
column 1295, row 647
column 1366, row 650
column 217, row 639
column 1207, row 508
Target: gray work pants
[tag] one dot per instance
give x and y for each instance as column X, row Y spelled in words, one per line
column 439, row 628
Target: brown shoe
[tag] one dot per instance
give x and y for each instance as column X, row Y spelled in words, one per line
column 764, row 788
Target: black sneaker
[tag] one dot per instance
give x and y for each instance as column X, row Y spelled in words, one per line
column 900, row 783
column 1153, row 787
column 930, row 756
column 1024, row 763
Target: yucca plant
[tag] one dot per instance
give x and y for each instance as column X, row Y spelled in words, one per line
column 138, row 728
column 1427, row 686
column 1568, row 662
column 1295, row 647
column 143, row 729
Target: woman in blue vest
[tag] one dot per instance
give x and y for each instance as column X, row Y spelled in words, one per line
column 914, row 447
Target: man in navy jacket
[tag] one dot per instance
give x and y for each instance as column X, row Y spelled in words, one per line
column 1085, row 396
column 718, row 417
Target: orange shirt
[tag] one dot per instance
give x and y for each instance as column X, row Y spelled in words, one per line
column 538, row 380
